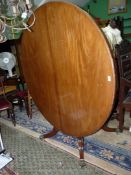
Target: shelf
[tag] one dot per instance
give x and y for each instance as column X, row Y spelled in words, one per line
column 127, row 26
column 127, row 19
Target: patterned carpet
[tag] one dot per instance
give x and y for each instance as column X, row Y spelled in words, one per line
column 109, row 151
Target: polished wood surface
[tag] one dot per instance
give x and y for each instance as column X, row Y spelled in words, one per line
column 69, row 69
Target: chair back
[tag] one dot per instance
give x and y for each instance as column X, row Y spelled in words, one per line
column 123, row 56
column 123, row 59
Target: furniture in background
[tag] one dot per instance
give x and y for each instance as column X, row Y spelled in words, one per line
column 24, row 95
column 123, row 25
column 127, row 27
column 12, row 36
column 123, row 92
column 17, row 94
column 123, row 59
column 5, row 104
column 112, row 33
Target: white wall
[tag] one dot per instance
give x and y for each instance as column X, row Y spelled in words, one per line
column 77, row 2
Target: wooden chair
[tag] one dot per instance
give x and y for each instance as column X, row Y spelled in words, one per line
column 25, row 96
column 123, row 58
column 19, row 94
column 5, row 104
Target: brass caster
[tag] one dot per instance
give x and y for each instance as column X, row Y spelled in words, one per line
column 118, row 131
column 41, row 137
column 82, row 163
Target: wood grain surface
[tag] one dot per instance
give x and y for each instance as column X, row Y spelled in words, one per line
column 69, row 69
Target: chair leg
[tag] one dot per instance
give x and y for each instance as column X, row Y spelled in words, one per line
column 121, row 119
column 8, row 113
column 12, row 114
column 20, row 103
column 28, row 105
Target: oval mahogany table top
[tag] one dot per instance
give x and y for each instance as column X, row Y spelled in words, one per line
column 69, row 69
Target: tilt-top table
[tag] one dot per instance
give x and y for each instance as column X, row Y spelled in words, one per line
column 69, row 70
